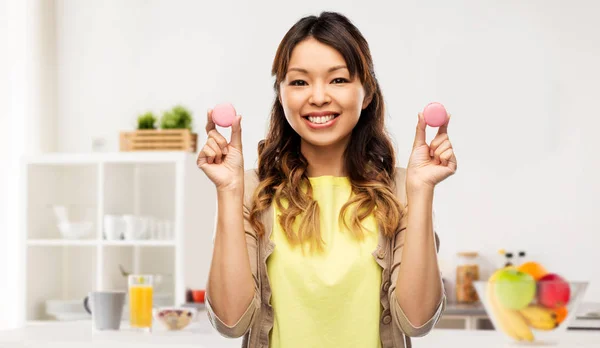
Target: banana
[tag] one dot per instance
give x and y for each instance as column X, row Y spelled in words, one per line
column 539, row 317
column 511, row 322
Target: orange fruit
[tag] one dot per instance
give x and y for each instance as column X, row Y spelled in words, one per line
column 534, row 269
column 561, row 314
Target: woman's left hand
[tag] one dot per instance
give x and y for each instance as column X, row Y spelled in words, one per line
column 430, row 164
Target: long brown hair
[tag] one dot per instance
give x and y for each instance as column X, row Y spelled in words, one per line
column 369, row 158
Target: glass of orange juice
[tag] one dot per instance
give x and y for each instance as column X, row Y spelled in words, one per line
column 140, row 302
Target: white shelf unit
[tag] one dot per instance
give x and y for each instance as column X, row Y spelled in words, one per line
column 163, row 185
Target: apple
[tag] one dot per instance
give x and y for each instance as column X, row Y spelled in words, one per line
column 199, row 295
column 514, row 289
column 553, row 291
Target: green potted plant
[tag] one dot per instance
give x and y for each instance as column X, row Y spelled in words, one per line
column 177, row 118
column 146, row 121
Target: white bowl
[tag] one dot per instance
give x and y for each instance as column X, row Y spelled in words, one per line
column 75, row 230
column 175, row 318
column 74, row 221
column 534, row 322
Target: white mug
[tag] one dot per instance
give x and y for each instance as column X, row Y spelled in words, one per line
column 135, row 227
column 114, row 227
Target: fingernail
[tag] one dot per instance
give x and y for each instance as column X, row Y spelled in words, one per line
column 430, row 153
column 225, row 151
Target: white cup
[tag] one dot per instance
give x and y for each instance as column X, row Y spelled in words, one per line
column 152, row 231
column 169, row 230
column 143, row 228
column 136, row 227
column 114, row 227
column 160, row 229
column 130, row 232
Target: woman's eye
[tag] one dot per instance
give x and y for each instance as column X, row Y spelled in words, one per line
column 298, row 83
column 340, row 80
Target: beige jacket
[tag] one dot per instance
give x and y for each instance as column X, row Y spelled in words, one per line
column 256, row 323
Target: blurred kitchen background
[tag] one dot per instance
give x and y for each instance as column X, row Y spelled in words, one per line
column 520, row 79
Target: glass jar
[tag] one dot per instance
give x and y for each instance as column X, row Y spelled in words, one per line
column 467, row 272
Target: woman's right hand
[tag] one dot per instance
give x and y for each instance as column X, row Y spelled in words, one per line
column 222, row 162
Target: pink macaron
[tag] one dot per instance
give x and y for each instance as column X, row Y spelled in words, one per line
column 435, row 114
column 223, row 115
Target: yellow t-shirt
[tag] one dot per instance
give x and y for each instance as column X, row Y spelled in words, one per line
column 328, row 299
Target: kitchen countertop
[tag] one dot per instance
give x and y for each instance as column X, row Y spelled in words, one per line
column 464, row 309
column 588, row 317
column 201, row 335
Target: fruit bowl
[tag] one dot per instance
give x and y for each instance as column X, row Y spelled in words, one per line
column 175, row 318
column 527, row 308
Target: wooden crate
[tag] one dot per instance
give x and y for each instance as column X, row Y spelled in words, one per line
column 159, row 140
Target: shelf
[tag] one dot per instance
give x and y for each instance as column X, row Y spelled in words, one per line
column 164, row 189
column 68, row 242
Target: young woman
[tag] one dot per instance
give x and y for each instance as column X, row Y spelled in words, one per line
column 327, row 243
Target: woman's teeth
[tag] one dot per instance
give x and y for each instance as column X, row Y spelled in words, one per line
column 320, row 119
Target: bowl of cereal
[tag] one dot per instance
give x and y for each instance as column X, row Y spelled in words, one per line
column 175, row 318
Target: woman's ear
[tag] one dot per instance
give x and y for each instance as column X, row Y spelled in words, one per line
column 367, row 101
column 278, row 91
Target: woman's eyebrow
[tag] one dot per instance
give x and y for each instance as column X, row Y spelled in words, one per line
column 332, row 69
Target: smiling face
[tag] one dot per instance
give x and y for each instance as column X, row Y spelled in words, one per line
column 321, row 101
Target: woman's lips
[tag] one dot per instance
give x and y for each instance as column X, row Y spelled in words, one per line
column 321, row 125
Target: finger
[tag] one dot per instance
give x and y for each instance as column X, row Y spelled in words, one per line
column 209, row 153
column 216, row 149
column 236, row 133
column 201, row 159
column 444, row 128
column 221, row 141
column 436, row 142
column 441, row 148
column 420, row 133
column 446, row 156
column 210, row 124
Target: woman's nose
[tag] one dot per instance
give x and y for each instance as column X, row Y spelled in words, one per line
column 319, row 95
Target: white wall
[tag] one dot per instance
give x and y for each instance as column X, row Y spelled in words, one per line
column 518, row 77
column 27, row 116
column 4, row 142
column 12, row 91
